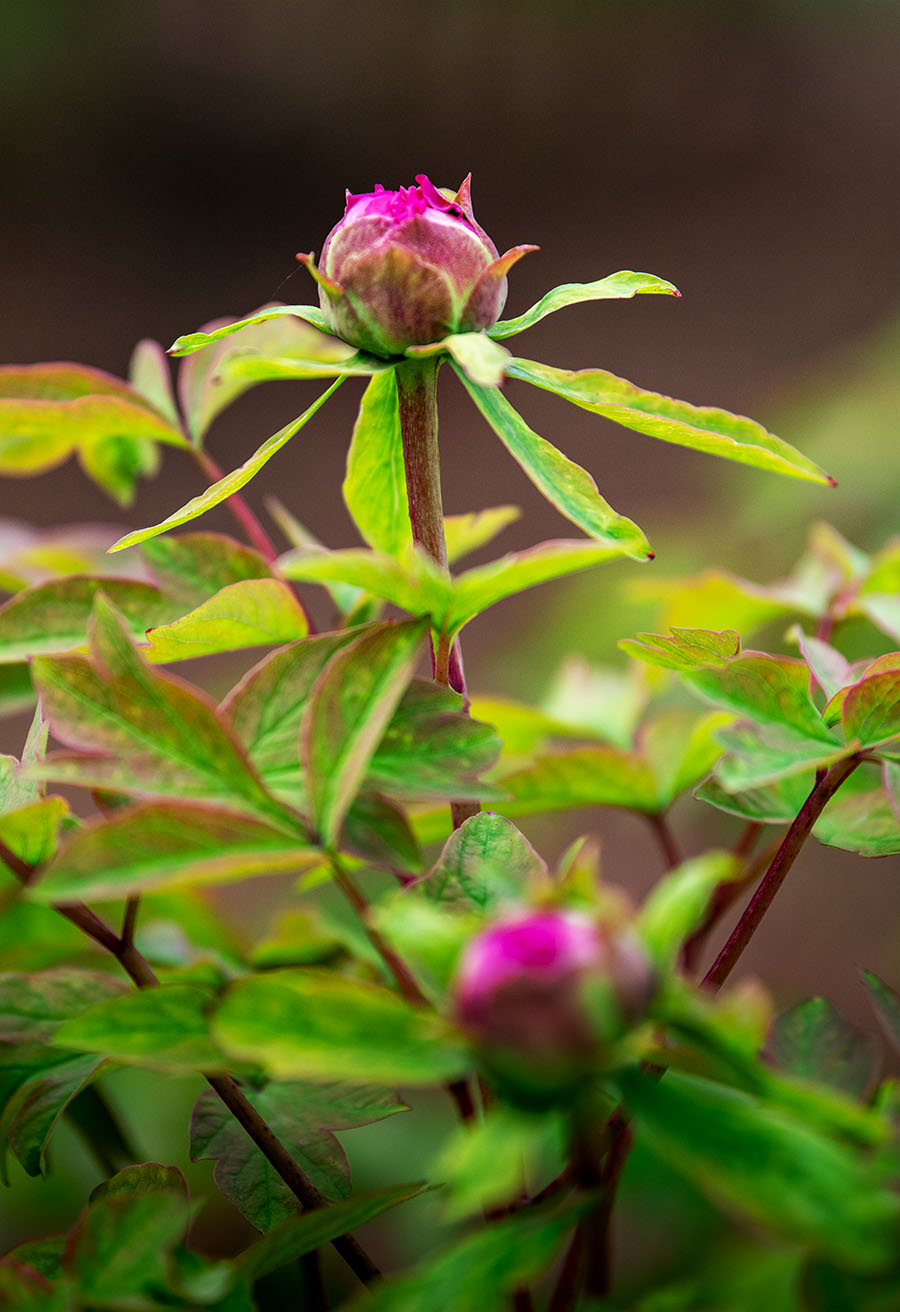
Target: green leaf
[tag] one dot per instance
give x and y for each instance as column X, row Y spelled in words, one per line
column 431, row 747
column 428, row 935
column 758, row 755
column 381, row 834
column 684, row 649
column 39, row 1105
column 492, row 1162
column 586, row 776
column 352, row 604
column 677, row 904
column 32, row 832
column 191, row 342
column 713, row 598
column 231, row 483
column 163, row 1028
column 320, row 1026
column 776, row 803
column 122, row 1247
column 351, row 705
column 191, row 567
column 680, row 749
column 716, row 432
column 34, row 1006
column 140, row 731
column 465, row 533
column 310, row 1230
column 375, row 486
column 53, row 617
column 565, row 485
column 485, row 861
column 479, row 588
column 616, row 286
column 254, row 613
column 415, row 585
column 479, row 357
column 23, row 1289
column 871, row 709
column 301, row 1116
column 829, row 668
column 149, row 373
column 813, row 1041
column 592, row 701
column 249, row 370
column 767, row 1166
column 886, row 1005
column 163, row 845
column 16, row 692
column 211, row 379
column 864, row 816
column 142, row 1178
column 480, row 1272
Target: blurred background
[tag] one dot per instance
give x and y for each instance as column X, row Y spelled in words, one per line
column 163, row 162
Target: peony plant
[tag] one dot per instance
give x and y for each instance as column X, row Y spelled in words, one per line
column 572, row 1067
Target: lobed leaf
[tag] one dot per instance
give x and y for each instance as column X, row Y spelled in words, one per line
column 616, row 286
column 684, row 649
column 121, row 1248
column 163, row 845
column 566, row 485
column 231, row 483
column 702, row 428
column 320, row 1026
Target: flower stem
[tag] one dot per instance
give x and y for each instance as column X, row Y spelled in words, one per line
column 826, row 785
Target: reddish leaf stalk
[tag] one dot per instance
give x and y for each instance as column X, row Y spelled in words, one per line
column 826, row 785
column 256, row 534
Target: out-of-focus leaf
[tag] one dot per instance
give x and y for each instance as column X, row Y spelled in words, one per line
column 677, row 904
column 465, row 533
column 301, row 1234
column 150, row 374
column 313, row 1025
column 493, row 1161
column 32, row 832
column 375, row 486
column 162, row 845
column 191, row 567
column 871, row 708
column 140, row 732
column 828, row 667
column 16, row 692
column 615, row 286
column 886, row 1005
column 756, row 755
column 53, row 617
column 352, row 604
column 165, row 1028
column 208, row 382
column 565, row 485
column 767, row 1165
column 680, row 749
column 351, row 705
column 864, row 816
column 712, row 598
column 40, row 1103
column 191, row 342
column 684, row 649
column 33, row 1006
column 428, row 935
column 302, row 1116
column 484, row 585
column 379, row 832
column 814, row 1041
column 415, row 584
column 593, row 701
column 775, row 803
column 231, row 483
column 254, row 613
column 485, row 861
column 585, row 776
column 702, row 428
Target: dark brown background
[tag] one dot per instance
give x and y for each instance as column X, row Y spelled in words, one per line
column 163, row 162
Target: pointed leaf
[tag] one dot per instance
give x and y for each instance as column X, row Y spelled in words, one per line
column 349, row 602
column 485, row 861
column 40, row 1104
column 616, row 286
column 479, row 588
column 231, row 483
column 565, row 485
column 254, row 613
column 886, row 1005
column 351, row 705
column 871, row 709
column 677, row 904
column 465, row 533
column 414, row 584
column 53, row 617
column 813, row 1041
column 375, row 486
column 479, row 357
column 776, row 803
column 142, row 732
column 163, row 845
column 248, row 370
column 379, row 832
column 316, row 1025
column 716, row 432
column 149, row 373
column 120, row 1249
column 191, row 342
column 828, row 667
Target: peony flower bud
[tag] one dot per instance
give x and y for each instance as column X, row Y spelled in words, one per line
column 544, row 994
column 406, row 268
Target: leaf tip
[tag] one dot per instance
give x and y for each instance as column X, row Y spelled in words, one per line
column 832, row 482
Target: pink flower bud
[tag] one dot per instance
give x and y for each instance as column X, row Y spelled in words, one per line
column 544, row 994
column 405, row 268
